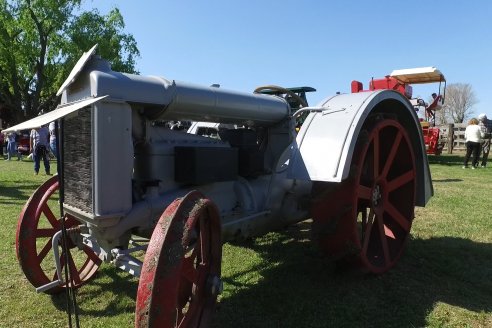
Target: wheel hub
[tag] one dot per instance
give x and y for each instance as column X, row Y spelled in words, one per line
column 376, row 195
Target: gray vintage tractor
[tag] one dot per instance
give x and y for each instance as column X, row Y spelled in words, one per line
column 127, row 186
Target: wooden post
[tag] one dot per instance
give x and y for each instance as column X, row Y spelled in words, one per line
column 450, row 138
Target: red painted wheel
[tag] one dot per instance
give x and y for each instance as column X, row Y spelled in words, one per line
column 180, row 277
column 38, row 223
column 370, row 214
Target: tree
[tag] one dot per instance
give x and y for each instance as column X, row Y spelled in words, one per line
column 41, row 40
column 458, row 105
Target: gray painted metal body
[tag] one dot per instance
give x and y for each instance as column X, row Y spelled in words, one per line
column 325, row 144
column 164, row 99
column 132, row 161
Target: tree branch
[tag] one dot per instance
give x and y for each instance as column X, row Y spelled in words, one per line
column 43, row 40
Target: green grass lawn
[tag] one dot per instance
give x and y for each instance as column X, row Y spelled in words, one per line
column 444, row 279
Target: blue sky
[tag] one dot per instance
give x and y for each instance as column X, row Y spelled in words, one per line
column 322, row 44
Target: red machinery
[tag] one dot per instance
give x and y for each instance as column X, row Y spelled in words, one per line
column 401, row 81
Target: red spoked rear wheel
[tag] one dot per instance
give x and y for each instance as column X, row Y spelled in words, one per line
column 38, row 223
column 180, row 278
column 370, row 214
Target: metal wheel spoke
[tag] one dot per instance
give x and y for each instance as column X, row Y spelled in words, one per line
column 50, row 216
column 73, row 269
column 45, row 251
column 376, row 155
column 91, row 255
column 384, row 241
column 401, row 180
column 392, row 153
column 397, row 217
column 40, row 233
column 365, row 192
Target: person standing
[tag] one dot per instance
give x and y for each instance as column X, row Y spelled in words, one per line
column 38, row 146
column 52, row 130
column 473, row 137
column 3, row 139
column 486, row 126
column 17, row 144
column 4, row 144
column 11, row 146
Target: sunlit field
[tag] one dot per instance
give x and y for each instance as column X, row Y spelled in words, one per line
column 444, row 278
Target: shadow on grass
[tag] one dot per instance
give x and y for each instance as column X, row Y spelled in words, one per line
column 300, row 288
column 18, row 191
column 121, row 287
column 447, row 180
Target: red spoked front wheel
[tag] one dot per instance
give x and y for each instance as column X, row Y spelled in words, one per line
column 370, row 214
column 38, row 223
column 180, row 278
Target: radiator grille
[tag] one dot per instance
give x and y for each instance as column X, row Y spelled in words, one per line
column 78, row 161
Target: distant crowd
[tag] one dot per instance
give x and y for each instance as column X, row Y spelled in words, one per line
column 39, row 144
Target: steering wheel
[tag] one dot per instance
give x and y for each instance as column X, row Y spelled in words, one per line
column 282, row 91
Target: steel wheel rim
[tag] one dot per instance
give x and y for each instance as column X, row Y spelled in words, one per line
column 183, row 255
column 32, row 258
column 385, row 195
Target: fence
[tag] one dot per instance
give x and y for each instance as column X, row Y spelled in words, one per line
column 455, row 132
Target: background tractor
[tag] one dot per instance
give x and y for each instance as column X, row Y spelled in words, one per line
column 402, row 81
column 158, row 203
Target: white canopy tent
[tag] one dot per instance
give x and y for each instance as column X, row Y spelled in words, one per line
column 418, row 75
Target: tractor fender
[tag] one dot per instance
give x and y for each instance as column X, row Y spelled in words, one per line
column 325, row 144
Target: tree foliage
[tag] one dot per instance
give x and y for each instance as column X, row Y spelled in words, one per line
column 458, row 105
column 41, row 40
